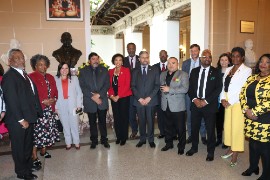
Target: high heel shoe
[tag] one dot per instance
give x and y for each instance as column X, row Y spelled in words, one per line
column 232, row 164
column 78, row 147
column 249, row 172
column 68, row 147
column 46, row 155
column 225, row 156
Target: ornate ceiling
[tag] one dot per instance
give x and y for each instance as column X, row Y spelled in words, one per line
column 113, row 10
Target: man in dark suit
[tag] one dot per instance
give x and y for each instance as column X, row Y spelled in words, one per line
column 145, row 85
column 205, row 85
column 132, row 61
column 161, row 66
column 22, row 111
column 95, row 82
column 187, row 66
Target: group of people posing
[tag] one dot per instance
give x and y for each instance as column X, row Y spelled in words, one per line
column 203, row 96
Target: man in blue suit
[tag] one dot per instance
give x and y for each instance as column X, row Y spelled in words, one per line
column 187, row 66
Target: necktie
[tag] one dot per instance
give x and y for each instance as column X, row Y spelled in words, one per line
column 144, row 73
column 201, row 84
column 131, row 62
column 95, row 79
column 163, row 67
column 27, row 81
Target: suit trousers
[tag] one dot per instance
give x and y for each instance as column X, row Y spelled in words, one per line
column 132, row 116
column 120, row 115
column 101, row 114
column 259, row 150
column 70, row 125
column 146, row 118
column 202, row 127
column 22, row 146
column 175, row 120
column 210, row 122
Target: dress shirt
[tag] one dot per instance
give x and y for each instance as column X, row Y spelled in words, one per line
column 205, row 80
column 32, row 86
column 161, row 65
column 146, row 68
column 21, row 72
column 194, row 64
column 133, row 59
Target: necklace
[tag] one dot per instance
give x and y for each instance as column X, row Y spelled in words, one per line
column 115, row 82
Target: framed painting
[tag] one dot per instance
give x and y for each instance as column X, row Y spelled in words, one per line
column 247, row 26
column 64, row 10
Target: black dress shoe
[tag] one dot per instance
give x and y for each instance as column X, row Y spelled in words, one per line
column 249, row 172
column 204, row 141
column 209, row 158
column 189, row 140
column 93, row 146
column 152, row 144
column 140, row 144
column 160, row 136
column 27, row 177
column 106, row 144
column 167, row 147
column 123, row 143
column 117, row 141
column 191, row 152
column 180, row 151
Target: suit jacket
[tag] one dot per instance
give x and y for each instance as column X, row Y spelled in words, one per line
column 42, row 88
column 175, row 98
column 212, row 90
column 74, row 94
column 157, row 65
column 124, row 81
column 238, row 80
column 186, row 65
column 21, row 102
column 149, row 88
column 88, row 87
column 127, row 64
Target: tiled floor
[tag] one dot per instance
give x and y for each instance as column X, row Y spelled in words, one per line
column 128, row 162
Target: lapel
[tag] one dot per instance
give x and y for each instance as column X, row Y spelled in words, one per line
column 149, row 72
column 176, row 74
column 210, row 76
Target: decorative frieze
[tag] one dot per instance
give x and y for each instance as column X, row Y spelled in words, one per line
column 101, row 30
column 147, row 11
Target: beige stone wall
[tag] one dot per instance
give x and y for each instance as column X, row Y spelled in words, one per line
column 26, row 22
column 225, row 25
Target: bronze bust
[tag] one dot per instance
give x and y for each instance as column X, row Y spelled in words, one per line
column 67, row 53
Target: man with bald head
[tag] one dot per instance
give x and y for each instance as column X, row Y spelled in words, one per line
column 22, row 111
column 205, row 85
column 174, row 86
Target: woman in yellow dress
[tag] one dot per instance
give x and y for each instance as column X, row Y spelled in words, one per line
column 255, row 103
column 233, row 80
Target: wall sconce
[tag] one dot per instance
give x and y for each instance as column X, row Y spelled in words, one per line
column 182, row 51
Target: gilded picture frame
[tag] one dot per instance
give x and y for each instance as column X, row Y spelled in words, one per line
column 64, row 10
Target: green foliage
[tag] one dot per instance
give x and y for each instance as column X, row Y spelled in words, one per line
column 94, row 5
